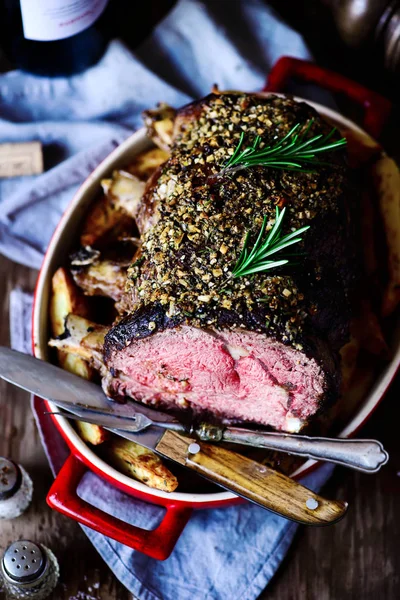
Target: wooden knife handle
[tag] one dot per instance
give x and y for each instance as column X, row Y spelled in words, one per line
column 251, row 480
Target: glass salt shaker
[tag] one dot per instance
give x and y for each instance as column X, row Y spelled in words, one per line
column 15, row 489
column 29, row 571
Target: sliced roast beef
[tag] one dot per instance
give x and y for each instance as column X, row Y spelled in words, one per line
column 261, row 348
column 231, row 374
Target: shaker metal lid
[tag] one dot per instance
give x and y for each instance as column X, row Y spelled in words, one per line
column 24, row 561
column 10, row 478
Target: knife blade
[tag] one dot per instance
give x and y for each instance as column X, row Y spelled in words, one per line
column 251, row 480
column 73, row 393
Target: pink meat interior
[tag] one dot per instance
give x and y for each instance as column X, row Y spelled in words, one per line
column 240, row 376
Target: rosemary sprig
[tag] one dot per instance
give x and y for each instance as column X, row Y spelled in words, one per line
column 258, row 258
column 292, row 153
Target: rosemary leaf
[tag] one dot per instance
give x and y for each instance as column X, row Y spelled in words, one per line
column 292, row 153
column 257, row 260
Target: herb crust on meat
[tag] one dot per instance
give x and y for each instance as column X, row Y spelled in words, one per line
column 197, row 225
column 188, row 254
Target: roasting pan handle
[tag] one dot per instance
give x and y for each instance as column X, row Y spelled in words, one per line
column 376, row 108
column 157, row 543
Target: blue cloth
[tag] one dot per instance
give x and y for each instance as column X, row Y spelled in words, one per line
column 226, row 553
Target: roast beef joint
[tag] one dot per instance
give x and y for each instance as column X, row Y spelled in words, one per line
column 262, row 348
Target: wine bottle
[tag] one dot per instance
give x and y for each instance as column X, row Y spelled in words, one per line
column 54, row 37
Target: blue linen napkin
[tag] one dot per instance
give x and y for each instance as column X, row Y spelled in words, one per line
column 225, row 553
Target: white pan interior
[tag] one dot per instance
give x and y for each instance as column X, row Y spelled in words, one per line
column 57, row 252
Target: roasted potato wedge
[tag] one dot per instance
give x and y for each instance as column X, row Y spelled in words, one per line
column 159, row 123
column 104, row 278
column 115, row 211
column 91, row 434
column 82, row 339
column 76, row 365
column 94, row 341
column 65, row 299
column 146, row 163
column 103, row 216
column 142, row 464
column 386, row 178
column 126, row 190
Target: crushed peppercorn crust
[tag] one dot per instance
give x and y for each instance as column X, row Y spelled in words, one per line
column 187, row 255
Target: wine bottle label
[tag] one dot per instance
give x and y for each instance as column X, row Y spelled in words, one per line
column 48, row 20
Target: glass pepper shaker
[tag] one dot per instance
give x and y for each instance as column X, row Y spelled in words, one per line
column 15, row 489
column 28, row 570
